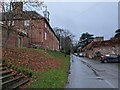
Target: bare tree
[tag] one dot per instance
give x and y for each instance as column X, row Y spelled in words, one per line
column 66, row 39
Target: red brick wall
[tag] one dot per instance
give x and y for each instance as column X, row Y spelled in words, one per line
column 11, row 41
column 38, row 30
column 51, row 41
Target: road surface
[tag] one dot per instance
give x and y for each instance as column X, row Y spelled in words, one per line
column 87, row 73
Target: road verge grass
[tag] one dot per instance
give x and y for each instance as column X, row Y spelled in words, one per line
column 54, row 77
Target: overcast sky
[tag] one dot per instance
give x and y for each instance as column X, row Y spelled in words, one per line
column 98, row 18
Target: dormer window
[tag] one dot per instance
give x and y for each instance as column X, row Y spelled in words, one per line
column 27, row 22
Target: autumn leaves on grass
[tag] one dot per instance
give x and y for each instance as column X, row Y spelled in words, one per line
column 36, row 60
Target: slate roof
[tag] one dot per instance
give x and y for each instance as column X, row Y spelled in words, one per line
column 21, row 15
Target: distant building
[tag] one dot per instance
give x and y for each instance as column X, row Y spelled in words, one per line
column 98, row 39
column 103, row 47
column 32, row 29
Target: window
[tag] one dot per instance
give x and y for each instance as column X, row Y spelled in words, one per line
column 10, row 23
column 40, row 36
column 45, row 25
column 113, row 55
column 27, row 22
column 45, row 36
column 1, row 22
column 24, row 31
column 48, row 28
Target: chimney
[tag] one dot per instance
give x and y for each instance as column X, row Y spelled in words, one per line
column 17, row 6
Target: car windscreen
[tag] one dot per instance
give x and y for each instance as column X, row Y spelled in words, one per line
column 113, row 55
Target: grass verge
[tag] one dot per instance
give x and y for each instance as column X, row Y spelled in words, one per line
column 54, row 77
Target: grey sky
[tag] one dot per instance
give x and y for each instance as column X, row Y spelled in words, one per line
column 98, row 18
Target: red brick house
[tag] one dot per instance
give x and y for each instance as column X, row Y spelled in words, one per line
column 104, row 47
column 33, row 29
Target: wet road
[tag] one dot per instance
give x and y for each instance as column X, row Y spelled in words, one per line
column 86, row 73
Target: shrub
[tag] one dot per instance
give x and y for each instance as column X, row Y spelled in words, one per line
column 98, row 54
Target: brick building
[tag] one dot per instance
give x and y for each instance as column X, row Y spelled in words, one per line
column 34, row 29
column 104, row 47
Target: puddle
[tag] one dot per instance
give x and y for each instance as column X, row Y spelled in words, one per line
column 100, row 78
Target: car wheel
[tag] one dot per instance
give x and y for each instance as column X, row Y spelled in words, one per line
column 101, row 61
column 105, row 61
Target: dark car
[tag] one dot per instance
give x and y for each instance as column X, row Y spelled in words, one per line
column 110, row 58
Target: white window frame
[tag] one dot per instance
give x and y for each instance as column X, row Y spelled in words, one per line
column 10, row 22
column 27, row 23
column 45, row 36
column 45, row 25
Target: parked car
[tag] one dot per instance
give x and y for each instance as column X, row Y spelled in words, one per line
column 81, row 55
column 75, row 54
column 110, row 58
